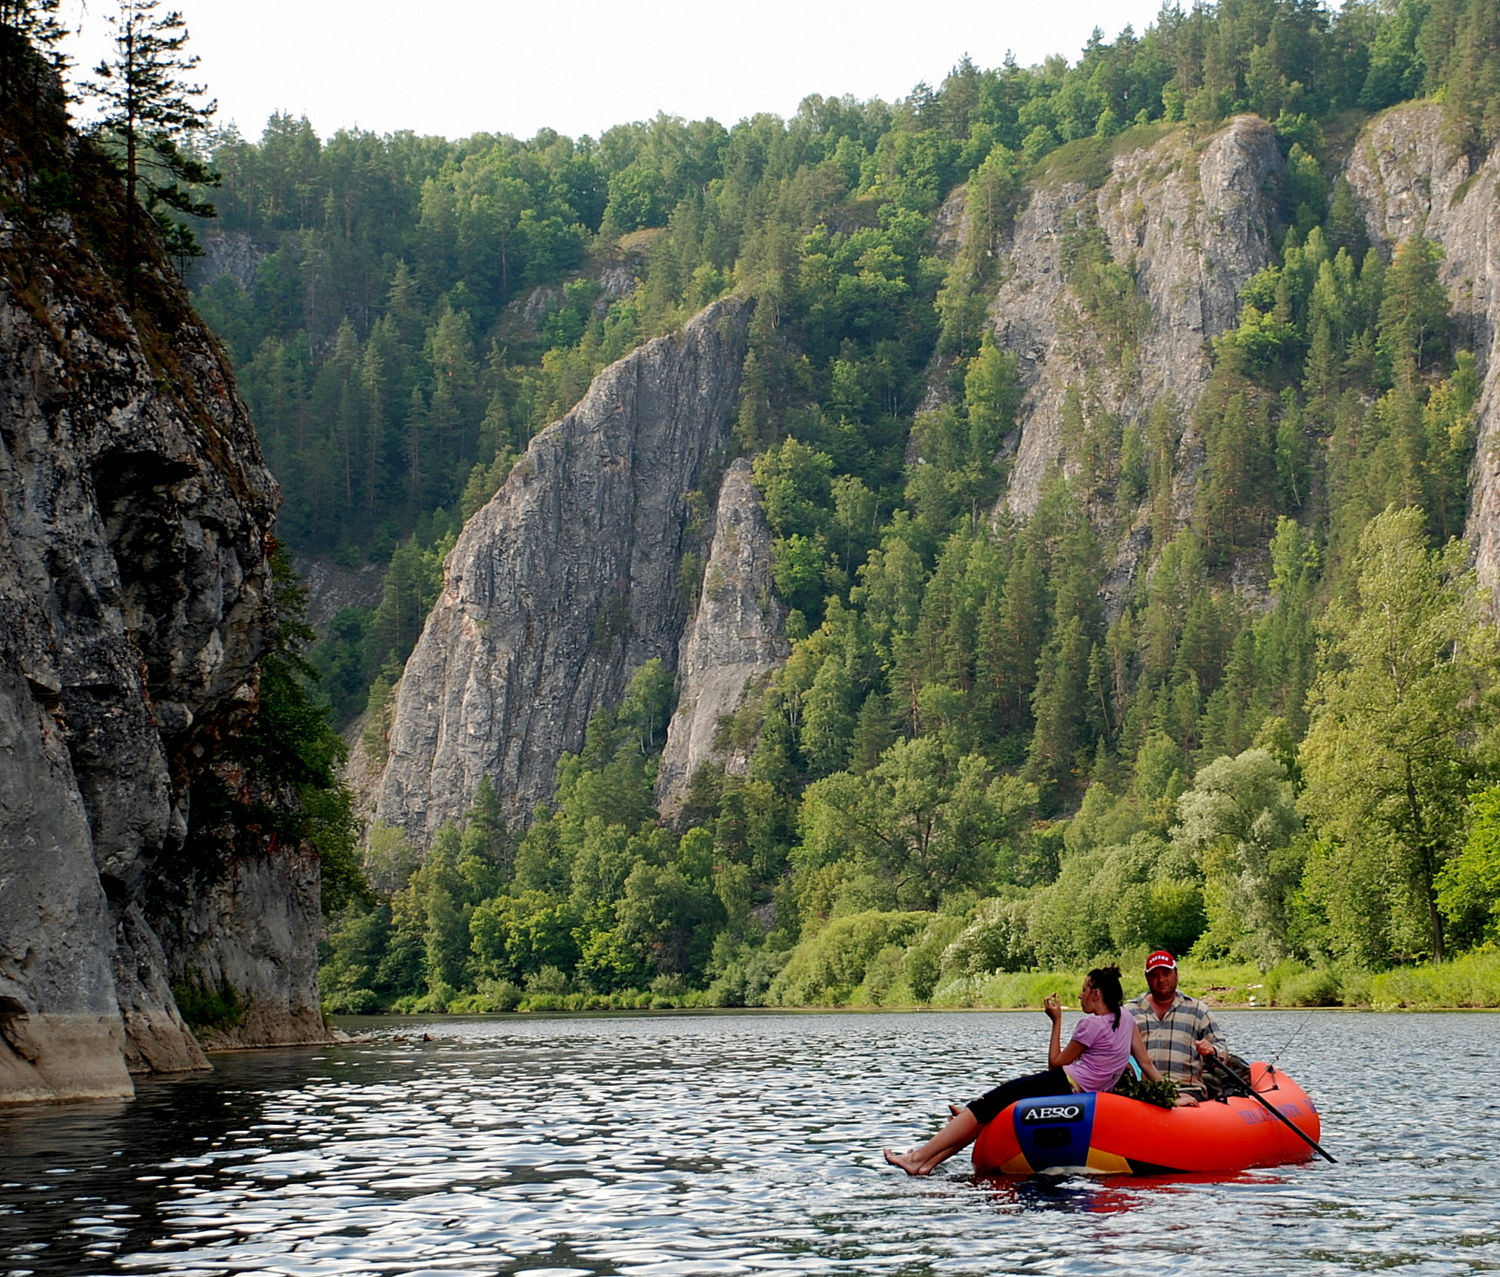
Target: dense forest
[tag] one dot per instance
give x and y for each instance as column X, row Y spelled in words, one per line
column 969, row 765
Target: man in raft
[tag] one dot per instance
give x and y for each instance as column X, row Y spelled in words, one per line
column 1179, row 1031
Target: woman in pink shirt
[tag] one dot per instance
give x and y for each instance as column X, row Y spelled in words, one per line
column 1102, row 1044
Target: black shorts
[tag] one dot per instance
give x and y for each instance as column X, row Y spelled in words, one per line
column 992, row 1103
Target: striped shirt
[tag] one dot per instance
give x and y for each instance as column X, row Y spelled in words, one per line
column 1170, row 1040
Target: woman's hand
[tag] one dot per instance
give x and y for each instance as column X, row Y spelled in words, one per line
column 1059, row 1055
column 1138, row 1052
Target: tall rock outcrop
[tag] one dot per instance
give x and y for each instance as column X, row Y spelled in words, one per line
column 1189, row 222
column 249, row 936
column 566, row 582
column 738, row 633
column 1408, row 181
column 134, row 605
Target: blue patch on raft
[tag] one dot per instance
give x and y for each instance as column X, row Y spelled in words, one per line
column 1055, row 1130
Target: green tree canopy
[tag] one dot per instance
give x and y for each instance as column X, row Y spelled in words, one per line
column 1389, row 757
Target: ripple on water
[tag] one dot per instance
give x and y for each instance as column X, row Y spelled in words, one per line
column 680, row 1146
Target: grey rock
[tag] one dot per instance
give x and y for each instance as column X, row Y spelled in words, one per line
column 255, row 931
column 61, row 1035
column 1409, row 182
column 1191, row 224
column 134, row 605
column 156, row 1038
column 737, row 634
column 331, row 586
column 566, row 582
column 234, row 253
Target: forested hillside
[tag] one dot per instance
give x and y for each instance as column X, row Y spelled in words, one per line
column 1227, row 683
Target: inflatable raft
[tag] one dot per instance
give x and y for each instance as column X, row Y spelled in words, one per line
column 1109, row 1133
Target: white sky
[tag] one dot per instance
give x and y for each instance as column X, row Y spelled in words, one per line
column 457, row 67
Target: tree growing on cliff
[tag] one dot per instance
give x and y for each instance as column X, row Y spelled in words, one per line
column 29, row 33
column 278, row 783
column 35, row 21
column 150, row 113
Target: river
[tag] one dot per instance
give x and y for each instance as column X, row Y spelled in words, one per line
column 681, row 1144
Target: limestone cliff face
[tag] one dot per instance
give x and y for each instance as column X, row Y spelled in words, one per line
column 737, row 634
column 1190, row 223
column 1408, row 182
column 566, row 582
column 232, row 253
column 134, row 604
column 254, row 930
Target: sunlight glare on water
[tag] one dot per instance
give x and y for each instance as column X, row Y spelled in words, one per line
column 678, row 1145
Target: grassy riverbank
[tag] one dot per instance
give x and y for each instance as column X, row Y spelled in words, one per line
column 1467, row 983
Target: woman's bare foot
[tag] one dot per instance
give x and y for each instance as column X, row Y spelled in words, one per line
column 906, row 1161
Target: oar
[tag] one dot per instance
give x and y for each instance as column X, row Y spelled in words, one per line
column 1269, row 1107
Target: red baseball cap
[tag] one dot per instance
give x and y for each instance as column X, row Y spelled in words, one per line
column 1161, row 958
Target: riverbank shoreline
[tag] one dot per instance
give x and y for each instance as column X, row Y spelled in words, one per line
column 1469, row 983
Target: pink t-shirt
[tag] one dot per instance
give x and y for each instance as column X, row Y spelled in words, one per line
column 1106, row 1050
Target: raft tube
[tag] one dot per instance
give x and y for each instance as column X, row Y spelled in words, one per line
column 1107, row 1133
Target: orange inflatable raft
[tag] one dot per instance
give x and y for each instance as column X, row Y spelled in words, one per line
column 1109, row 1133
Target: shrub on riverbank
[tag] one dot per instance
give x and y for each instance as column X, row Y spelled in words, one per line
column 831, row 967
column 1470, row 981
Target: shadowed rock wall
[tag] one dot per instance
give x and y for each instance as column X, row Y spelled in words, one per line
column 134, row 605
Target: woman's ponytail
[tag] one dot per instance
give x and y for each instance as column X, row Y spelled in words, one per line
column 1106, row 982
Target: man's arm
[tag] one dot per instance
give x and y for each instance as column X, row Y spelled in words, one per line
column 1209, row 1041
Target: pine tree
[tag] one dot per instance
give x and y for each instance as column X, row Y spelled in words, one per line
column 1060, row 705
column 35, row 23
column 1413, row 325
column 1473, row 77
column 149, row 111
column 1012, row 632
column 33, row 20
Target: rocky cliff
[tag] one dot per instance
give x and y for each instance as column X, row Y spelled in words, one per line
column 566, row 582
column 1110, row 294
column 1189, row 222
column 1409, row 181
column 248, row 940
column 738, row 634
column 134, row 605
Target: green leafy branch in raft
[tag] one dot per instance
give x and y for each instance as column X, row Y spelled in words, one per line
column 1136, row 1086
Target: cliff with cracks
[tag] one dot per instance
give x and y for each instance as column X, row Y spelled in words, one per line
column 135, row 603
column 1110, row 298
column 567, row 581
column 1410, row 181
column 737, row 635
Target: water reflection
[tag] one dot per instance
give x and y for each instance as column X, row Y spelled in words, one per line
column 1102, row 1195
column 727, row 1144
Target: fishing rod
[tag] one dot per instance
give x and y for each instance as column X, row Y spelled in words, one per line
column 1235, row 1081
column 1301, row 1024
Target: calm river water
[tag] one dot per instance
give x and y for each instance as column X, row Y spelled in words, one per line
column 734, row 1143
